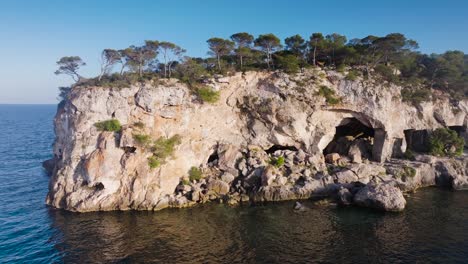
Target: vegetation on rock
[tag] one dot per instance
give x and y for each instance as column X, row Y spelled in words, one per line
column 277, row 162
column 109, row 125
column 195, row 174
column 393, row 58
column 446, row 142
column 329, row 95
column 207, row 94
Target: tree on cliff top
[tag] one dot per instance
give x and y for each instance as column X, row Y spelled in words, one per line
column 109, row 58
column 69, row 66
column 243, row 42
column 220, row 47
column 268, row 43
column 170, row 52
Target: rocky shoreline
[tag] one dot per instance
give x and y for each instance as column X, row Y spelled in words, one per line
column 270, row 137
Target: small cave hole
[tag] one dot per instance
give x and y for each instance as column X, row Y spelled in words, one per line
column 213, row 159
column 129, row 150
column 99, row 186
column 275, row 148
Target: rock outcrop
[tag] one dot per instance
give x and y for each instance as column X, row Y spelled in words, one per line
column 266, row 139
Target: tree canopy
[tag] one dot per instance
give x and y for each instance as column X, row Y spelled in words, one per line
column 393, row 58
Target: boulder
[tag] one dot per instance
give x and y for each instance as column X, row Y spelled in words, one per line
column 227, row 177
column 218, row 187
column 345, row 176
column 383, row 196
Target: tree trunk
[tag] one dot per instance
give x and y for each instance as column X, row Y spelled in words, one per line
column 219, row 62
column 313, row 59
column 241, row 62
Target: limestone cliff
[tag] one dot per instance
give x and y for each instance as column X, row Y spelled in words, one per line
column 259, row 118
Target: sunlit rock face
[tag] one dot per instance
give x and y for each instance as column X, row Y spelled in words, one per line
column 259, row 117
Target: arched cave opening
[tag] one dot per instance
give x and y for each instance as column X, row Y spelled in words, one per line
column 352, row 137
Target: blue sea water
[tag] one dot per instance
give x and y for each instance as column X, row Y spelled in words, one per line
column 433, row 228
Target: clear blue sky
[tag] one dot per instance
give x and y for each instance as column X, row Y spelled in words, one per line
column 34, row 34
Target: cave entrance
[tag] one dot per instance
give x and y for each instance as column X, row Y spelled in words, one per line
column 352, row 133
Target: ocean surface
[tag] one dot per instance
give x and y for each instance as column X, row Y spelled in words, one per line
column 433, row 229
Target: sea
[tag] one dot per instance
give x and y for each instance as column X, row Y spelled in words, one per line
column 433, row 228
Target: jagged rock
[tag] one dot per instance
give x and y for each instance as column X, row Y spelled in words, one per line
column 228, row 157
column 268, row 176
column 383, row 196
column 345, row 197
column 49, row 165
column 452, row 173
column 332, row 158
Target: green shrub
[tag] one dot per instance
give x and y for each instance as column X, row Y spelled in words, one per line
column 408, row 172
column 195, row 174
column 386, row 72
column 352, row 75
column 142, row 140
column 184, row 181
column 288, row 63
column 409, row 155
column 109, row 125
column 415, row 96
column 139, row 124
column 277, row 162
column 329, row 95
column 153, row 162
column 341, row 68
column 206, row 94
column 164, row 147
column 445, row 142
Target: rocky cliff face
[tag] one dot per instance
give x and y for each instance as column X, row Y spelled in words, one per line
column 260, row 119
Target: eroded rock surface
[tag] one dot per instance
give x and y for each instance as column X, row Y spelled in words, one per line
column 265, row 140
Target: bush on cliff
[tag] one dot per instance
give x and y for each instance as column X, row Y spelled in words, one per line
column 208, row 95
column 142, row 140
column 415, row 96
column 446, row 142
column 112, row 125
column 329, row 95
column 162, row 148
column 277, row 162
column 195, row 174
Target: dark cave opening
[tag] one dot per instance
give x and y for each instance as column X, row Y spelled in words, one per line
column 213, row 158
column 351, row 132
column 275, row 148
column 417, row 140
column 459, row 129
